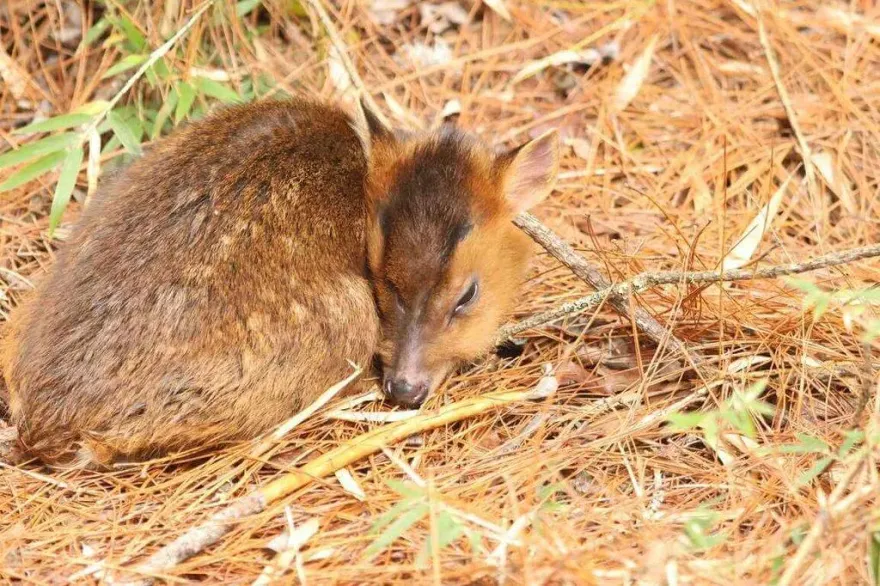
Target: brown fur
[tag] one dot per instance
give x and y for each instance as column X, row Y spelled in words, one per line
column 223, row 281
column 209, row 292
column 441, row 211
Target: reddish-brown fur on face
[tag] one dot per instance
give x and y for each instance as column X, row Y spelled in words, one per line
column 440, row 224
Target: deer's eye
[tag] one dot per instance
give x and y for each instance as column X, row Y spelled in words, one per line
column 467, row 298
column 395, row 293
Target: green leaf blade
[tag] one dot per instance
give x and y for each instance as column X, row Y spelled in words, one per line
column 128, row 62
column 685, row 421
column 874, row 558
column 388, row 516
column 186, row 95
column 164, row 113
column 448, row 529
column 64, row 187
column 55, row 123
column 245, row 7
column 32, row 171
column 817, row 469
column 124, row 133
column 396, row 529
column 132, row 33
column 404, row 489
column 95, row 31
column 217, row 90
column 44, row 146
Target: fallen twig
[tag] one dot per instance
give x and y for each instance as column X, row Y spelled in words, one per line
column 373, row 417
column 289, row 425
column 645, row 281
column 565, row 254
column 211, row 531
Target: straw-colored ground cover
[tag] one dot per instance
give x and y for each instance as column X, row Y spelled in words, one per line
column 698, row 135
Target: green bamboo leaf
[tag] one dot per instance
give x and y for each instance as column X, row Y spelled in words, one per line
column 392, row 513
column 124, row 133
column 35, row 169
column 817, row 469
column 821, row 307
column 396, row 529
column 35, row 149
column 685, row 421
column 710, row 431
column 64, row 187
column 871, row 294
column 247, row 90
column 448, row 530
column 698, row 530
column 245, row 7
column 186, row 96
column 853, row 438
column 296, row 8
column 405, row 489
column 94, row 32
column 807, row 444
column 802, row 284
column 110, row 145
column 217, row 90
column 872, row 331
column 152, row 78
column 132, row 33
column 475, row 539
column 874, row 558
column 161, row 69
column 92, row 108
column 198, row 111
column 777, row 564
column 164, row 113
column 128, row 62
column 55, row 123
column 741, row 421
column 264, row 84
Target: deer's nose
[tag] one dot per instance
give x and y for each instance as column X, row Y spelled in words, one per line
column 406, row 393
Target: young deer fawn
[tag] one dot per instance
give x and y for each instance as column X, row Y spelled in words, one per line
column 222, row 281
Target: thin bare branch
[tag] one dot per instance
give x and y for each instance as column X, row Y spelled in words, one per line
column 565, row 254
column 646, row 281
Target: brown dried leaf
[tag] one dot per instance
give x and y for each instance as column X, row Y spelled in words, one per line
column 580, row 146
column 702, row 195
column 835, row 179
column 570, row 372
column 741, row 68
column 751, row 237
column 499, row 7
column 632, row 82
column 15, row 78
column 615, row 381
column 586, row 57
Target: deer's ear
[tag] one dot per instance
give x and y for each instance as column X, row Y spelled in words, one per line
column 369, row 128
column 529, row 171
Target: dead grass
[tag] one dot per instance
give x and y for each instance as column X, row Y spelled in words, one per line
column 669, row 182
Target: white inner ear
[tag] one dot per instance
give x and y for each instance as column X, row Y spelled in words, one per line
column 532, row 173
column 361, row 127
